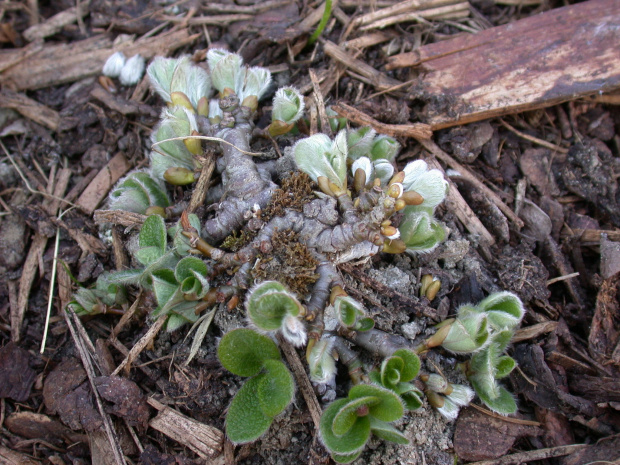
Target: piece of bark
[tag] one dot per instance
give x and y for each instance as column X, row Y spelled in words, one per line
column 32, row 425
column 204, row 440
column 120, row 104
column 29, row 108
column 416, row 130
column 596, row 388
column 371, row 75
column 98, row 189
column 10, row 457
column 15, row 372
column 605, row 451
column 55, row 24
column 59, row 64
column 478, row 436
column 604, row 330
column 538, row 61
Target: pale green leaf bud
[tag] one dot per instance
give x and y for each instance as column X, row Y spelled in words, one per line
column 504, row 309
column 252, row 82
column 384, row 147
column 384, row 170
column 321, row 363
column 430, row 184
column 288, row 105
column 420, row 231
column 467, row 335
column 225, row 69
column 359, row 141
column 318, row 156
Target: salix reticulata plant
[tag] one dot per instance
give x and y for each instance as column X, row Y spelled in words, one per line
column 273, row 238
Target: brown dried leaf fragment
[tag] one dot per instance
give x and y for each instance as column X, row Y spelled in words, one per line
column 15, row 372
column 129, row 401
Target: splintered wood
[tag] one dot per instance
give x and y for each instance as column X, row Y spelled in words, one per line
column 539, row 61
column 58, row 64
column 204, row 440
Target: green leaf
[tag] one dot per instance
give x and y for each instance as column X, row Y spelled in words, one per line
column 269, row 303
column 345, row 458
column 359, row 141
column 164, row 285
column 411, row 396
column 188, row 266
column 124, row 276
column 350, row 443
column 387, row 432
column 245, row 421
column 504, row 308
column 348, row 414
column 175, row 322
column 243, row 351
column 503, row 403
column 504, row 366
column 390, row 407
column 276, row 388
column 411, row 364
column 153, row 233
column 365, row 324
column 390, row 371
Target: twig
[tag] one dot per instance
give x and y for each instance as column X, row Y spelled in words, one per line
column 141, row 344
column 533, row 455
column 466, row 174
column 107, row 422
column 562, row 278
column 533, row 139
column 419, row 131
column 320, row 103
column 302, row 380
column 517, row 421
column 200, row 191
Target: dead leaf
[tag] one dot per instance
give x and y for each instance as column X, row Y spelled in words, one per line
column 15, row 372
column 479, row 436
column 129, row 401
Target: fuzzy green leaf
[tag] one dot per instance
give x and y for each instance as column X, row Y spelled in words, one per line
column 390, row 371
column 245, row 421
column 502, row 403
column 504, row 366
column 387, row 432
column 350, row 443
column 505, row 310
column 348, row 414
column 275, row 389
column 410, row 395
column 188, row 266
column 390, row 407
column 345, row 458
column 269, row 303
column 153, row 233
column 243, row 351
column 411, row 364
column 164, row 285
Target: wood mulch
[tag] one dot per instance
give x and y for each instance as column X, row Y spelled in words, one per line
column 516, row 100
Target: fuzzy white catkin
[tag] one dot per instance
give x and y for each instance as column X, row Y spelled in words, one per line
column 114, row 65
column 132, row 71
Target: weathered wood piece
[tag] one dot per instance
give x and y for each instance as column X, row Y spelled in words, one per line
column 536, row 62
column 59, row 64
column 204, row 440
column 29, row 108
column 55, row 24
column 98, row 189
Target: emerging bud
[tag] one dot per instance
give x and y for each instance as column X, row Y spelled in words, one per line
column 182, row 100
column 132, row 71
column 288, row 105
column 203, row 106
column 359, row 141
column 384, row 147
column 178, row 176
column 394, row 246
column 428, row 183
column 114, row 64
column 294, row 331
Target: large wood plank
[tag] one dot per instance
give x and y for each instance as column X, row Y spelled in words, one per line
column 539, row 61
